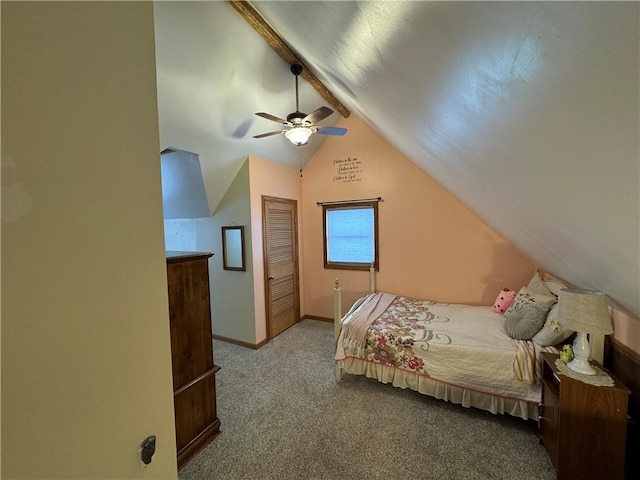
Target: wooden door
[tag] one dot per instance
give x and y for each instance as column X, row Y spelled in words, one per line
column 280, row 245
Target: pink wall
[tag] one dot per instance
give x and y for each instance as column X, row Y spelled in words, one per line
column 431, row 246
column 626, row 327
column 274, row 180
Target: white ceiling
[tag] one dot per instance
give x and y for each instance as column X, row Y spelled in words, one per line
column 528, row 112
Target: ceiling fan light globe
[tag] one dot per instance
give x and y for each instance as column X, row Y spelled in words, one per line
column 298, row 135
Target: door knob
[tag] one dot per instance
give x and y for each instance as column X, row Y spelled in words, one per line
column 271, row 277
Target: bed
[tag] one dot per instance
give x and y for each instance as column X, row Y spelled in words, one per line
column 454, row 352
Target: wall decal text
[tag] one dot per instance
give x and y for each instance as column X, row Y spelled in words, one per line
column 348, row 170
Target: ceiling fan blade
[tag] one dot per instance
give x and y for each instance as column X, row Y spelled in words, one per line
column 331, row 131
column 262, row 135
column 318, row 115
column 273, row 118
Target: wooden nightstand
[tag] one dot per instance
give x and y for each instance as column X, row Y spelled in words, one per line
column 582, row 426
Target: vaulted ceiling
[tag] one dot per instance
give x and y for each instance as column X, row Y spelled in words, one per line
column 528, row 112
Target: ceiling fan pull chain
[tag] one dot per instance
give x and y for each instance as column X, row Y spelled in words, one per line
column 300, row 157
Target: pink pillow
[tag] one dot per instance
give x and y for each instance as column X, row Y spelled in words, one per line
column 504, row 300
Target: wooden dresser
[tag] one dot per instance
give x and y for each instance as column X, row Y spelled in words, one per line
column 583, row 427
column 194, row 387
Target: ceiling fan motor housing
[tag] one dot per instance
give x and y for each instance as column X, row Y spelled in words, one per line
column 297, row 118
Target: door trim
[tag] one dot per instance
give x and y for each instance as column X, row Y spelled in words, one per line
column 296, row 258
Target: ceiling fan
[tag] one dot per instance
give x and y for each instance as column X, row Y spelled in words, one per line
column 300, row 126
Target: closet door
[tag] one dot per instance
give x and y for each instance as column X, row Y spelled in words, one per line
column 280, row 245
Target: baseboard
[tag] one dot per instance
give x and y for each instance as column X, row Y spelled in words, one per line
column 253, row 346
column 315, row 317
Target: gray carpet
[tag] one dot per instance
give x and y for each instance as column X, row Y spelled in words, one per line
column 283, row 416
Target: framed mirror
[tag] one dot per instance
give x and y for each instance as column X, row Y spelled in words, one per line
column 233, row 248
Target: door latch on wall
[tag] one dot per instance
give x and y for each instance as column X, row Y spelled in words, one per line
column 147, row 449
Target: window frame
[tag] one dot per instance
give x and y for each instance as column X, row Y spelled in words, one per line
column 351, row 265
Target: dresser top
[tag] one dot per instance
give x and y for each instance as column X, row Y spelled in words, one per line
column 176, row 256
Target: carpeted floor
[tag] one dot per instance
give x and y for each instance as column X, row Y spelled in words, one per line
column 283, row 416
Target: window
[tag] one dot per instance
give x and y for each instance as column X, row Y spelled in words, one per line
column 350, row 235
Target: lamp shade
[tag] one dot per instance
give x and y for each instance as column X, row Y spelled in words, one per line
column 584, row 311
column 298, row 135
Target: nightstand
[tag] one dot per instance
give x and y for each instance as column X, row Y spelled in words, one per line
column 582, row 426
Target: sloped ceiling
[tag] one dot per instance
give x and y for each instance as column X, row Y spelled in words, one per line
column 214, row 72
column 528, row 112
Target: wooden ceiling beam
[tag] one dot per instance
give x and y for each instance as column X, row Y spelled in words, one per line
column 259, row 24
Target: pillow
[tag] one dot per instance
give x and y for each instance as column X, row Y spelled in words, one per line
column 526, row 296
column 525, row 322
column 551, row 333
column 555, row 286
column 539, row 286
column 504, row 300
column 526, row 315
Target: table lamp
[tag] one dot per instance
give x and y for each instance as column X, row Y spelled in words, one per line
column 584, row 311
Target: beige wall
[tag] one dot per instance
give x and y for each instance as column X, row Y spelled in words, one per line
column 431, row 246
column 270, row 179
column 237, row 298
column 86, row 370
column 232, row 307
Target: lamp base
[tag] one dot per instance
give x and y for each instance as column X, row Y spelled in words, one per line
column 581, row 366
column 582, row 351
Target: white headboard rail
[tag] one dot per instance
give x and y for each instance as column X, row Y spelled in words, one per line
column 337, row 308
column 372, row 279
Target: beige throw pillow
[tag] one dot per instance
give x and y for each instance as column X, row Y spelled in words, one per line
column 539, row 286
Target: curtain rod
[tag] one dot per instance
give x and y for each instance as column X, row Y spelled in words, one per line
column 362, row 200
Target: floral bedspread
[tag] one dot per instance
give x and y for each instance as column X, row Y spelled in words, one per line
column 461, row 345
column 400, row 336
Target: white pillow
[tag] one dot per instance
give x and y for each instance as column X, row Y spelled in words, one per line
column 555, row 286
column 552, row 332
column 527, row 296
